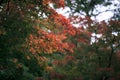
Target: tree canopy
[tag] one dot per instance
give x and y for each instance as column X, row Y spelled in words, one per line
column 38, row 43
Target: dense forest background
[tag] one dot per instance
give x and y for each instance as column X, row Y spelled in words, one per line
column 38, row 43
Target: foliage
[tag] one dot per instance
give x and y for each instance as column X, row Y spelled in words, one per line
column 95, row 60
column 86, row 7
column 37, row 43
column 16, row 25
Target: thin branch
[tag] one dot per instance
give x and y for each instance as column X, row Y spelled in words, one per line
column 8, row 6
column 111, row 54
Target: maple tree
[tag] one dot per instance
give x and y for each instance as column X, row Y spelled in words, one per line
column 37, row 43
column 26, row 38
column 100, row 55
column 17, row 21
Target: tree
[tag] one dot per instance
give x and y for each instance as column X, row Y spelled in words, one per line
column 87, row 7
column 20, row 20
column 37, row 43
column 96, row 60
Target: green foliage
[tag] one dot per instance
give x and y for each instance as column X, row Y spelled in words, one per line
column 14, row 28
column 85, row 7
